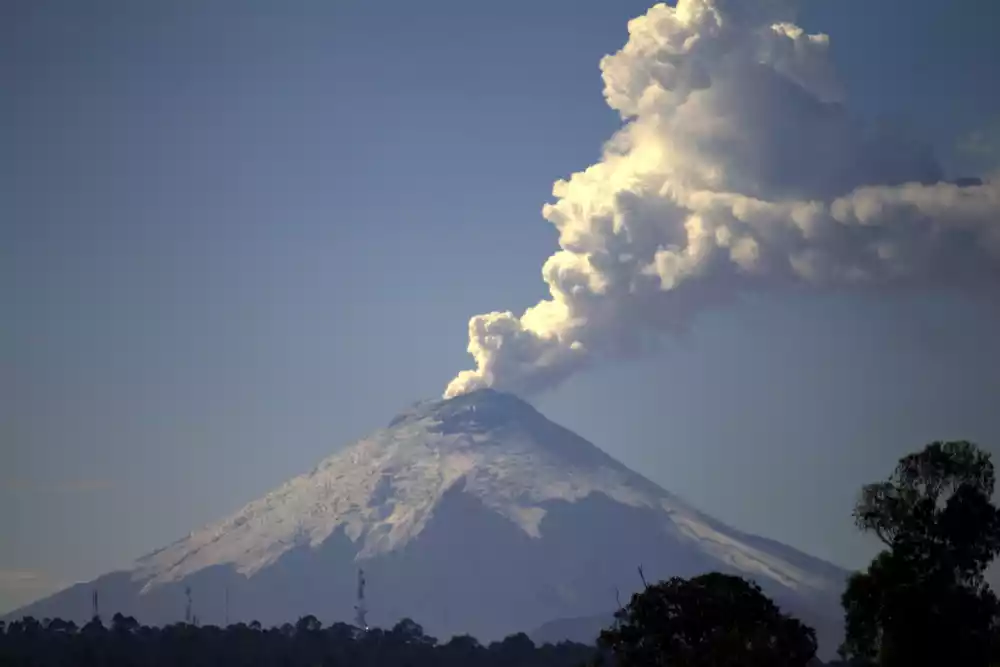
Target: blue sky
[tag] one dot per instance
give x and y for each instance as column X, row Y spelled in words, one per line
column 236, row 236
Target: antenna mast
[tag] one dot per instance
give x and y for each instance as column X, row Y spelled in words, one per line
column 95, row 606
column 361, row 611
column 227, row 605
column 187, row 607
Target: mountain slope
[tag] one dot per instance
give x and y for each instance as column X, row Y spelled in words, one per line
column 474, row 514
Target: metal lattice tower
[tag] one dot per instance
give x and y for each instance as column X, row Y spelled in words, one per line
column 360, row 609
column 187, row 607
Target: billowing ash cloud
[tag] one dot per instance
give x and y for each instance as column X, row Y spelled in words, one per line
column 738, row 168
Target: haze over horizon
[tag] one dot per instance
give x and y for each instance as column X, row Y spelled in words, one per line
column 237, row 238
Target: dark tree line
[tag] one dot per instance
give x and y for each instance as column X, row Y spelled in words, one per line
column 923, row 601
column 713, row 620
column 306, row 644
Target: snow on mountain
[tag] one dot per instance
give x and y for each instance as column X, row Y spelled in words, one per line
column 383, row 489
column 472, row 515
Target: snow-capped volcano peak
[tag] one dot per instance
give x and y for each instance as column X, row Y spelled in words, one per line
column 384, row 488
column 478, row 411
column 454, row 502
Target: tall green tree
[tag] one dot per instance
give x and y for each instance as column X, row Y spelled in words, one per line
column 713, row 620
column 924, row 600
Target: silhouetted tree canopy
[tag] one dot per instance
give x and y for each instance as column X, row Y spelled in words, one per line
column 306, row 643
column 714, row 620
column 924, row 600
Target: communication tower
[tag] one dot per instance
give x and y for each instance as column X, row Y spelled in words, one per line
column 360, row 609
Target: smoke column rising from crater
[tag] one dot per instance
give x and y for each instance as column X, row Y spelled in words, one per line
column 738, row 167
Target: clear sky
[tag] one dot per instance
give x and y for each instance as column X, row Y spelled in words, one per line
column 235, row 236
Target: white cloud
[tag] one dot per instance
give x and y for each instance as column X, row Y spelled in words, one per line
column 738, row 167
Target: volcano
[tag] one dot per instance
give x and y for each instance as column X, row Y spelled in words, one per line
column 472, row 515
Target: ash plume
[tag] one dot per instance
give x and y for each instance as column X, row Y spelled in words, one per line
column 738, row 167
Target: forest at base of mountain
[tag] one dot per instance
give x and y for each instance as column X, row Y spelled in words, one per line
column 53, row 642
